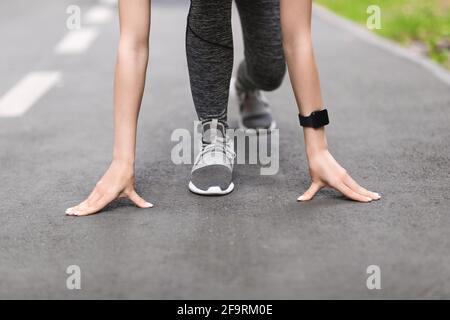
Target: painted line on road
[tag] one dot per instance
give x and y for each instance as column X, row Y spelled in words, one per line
column 77, row 41
column 99, row 14
column 109, row 2
column 382, row 43
column 27, row 92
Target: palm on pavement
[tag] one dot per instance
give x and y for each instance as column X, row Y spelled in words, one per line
column 116, row 183
column 325, row 171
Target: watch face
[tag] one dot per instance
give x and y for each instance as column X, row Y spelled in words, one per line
column 320, row 118
column 317, row 119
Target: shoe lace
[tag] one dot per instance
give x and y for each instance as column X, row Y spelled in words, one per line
column 218, row 145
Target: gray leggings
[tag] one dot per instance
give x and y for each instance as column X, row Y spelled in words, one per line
column 209, row 46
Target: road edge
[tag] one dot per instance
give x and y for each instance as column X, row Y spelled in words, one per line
column 383, row 43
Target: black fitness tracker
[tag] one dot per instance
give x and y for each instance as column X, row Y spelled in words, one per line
column 317, row 119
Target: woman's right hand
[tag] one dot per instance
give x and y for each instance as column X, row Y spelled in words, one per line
column 118, row 182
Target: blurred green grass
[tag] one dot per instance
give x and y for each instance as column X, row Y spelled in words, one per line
column 423, row 22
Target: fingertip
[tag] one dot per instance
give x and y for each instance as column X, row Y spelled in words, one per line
column 303, row 198
column 80, row 214
column 148, row 205
column 71, row 211
column 143, row 204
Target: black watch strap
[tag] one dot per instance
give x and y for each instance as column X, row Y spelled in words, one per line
column 317, row 119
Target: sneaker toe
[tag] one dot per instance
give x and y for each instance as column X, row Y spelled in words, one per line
column 212, row 176
column 261, row 121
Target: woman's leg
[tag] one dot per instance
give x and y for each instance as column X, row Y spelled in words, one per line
column 209, row 47
column 264, row 67
column 129, row 83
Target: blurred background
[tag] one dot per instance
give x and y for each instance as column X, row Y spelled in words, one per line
column 423, row 26
column 390, row 128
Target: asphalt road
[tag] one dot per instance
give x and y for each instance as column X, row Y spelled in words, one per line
column 390, row 130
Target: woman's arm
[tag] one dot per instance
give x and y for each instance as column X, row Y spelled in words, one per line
column 324, row 169
column 129, row 83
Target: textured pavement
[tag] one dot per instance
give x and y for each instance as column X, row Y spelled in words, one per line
column 390, row 129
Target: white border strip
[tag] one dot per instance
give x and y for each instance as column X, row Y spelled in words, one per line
column 382, row 43
column 27, row 92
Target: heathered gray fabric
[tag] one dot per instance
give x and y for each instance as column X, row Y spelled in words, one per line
column 209, row 46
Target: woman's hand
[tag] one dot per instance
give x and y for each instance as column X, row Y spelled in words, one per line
column 131, row 68
column 118, row 182
column 325, row 171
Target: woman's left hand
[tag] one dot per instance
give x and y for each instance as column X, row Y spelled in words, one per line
column 325, row 171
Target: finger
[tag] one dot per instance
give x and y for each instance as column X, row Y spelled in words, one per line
column 93, row 197
column 73, row 209
column 84, row 205
column 311, row 192
column 93, row 208
column 138, row 201
column 352, row 184
column 349, row 193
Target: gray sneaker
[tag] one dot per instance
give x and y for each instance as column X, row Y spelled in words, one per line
column 253, row 108
column 213, row 168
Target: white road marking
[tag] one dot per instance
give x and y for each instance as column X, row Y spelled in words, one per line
column 109, row 2
column 77, row 41
column 98, row 15
column 27, row 92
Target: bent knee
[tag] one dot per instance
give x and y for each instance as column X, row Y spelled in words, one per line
column 262, row 76
column 270, row 79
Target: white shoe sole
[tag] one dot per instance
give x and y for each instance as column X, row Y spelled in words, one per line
column 273, row 125
column 212, row 191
